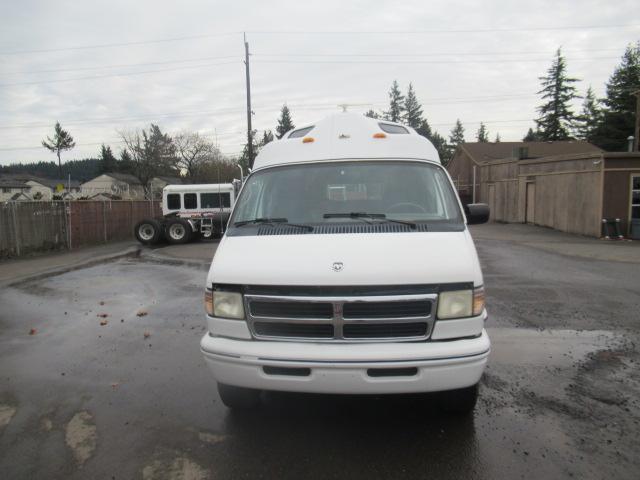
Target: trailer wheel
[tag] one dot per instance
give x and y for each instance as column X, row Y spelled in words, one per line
column 148, row 232
column 178, row 231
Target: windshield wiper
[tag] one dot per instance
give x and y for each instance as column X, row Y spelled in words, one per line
column 271, row 222
column 375, row 216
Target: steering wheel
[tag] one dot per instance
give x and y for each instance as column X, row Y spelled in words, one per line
column 414, row 207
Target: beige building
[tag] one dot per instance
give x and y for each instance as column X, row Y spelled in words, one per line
column 13, row 190
column 570, row 186
column 119, row 185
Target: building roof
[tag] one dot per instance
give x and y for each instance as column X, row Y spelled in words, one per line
column 344, row 136
column 487, row 151
column 125, row 177
column 19, row 196
column 47, row 182
column 11, row 182
column 169, row 180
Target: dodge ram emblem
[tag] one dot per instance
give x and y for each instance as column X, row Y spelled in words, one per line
column 337, row 266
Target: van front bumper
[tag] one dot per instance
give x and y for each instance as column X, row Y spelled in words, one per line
column 345, row 368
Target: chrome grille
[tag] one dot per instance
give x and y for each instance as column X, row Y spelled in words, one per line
column 378, row 318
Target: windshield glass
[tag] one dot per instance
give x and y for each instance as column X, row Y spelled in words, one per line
column 347, row 191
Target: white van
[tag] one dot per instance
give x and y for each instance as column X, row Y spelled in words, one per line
column 347, row 268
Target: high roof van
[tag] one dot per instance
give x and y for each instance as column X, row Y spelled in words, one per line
column 347, row 268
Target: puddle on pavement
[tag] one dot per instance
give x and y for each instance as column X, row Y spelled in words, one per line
column 518, row 346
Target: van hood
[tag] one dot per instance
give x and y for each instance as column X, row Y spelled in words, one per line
column 367, row 259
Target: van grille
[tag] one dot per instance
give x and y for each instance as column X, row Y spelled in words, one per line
column 375, row 318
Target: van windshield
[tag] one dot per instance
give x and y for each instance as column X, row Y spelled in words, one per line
column 338, row 192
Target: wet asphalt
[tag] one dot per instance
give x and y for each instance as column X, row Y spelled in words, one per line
column 101, row 377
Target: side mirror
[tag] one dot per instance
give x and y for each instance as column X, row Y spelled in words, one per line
column 476, row 213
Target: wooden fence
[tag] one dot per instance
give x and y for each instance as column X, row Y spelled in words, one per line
column 28, row 227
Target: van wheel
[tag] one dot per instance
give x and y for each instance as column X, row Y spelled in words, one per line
column 461, row 401
column 148, row 232
column 178, row 231
column 238, row 397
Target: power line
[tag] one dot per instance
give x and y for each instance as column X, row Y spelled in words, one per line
column 124, row 65
column 310, row 106
column 432, row 54
column 120, row 44
column 413, row 62
column 277, row 55
column 486, row 122
column 327, row 32
column 110, row 75
column 439, row 31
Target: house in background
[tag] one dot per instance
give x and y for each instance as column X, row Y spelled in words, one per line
column 158, row 183
column 570, row 186
column 10, row 188
column 122, row 185
column 46, row 188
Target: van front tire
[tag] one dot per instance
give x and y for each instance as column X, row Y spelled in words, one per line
column 238, row 398
column 459, row 402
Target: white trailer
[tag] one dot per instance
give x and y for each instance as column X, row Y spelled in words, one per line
column 189, row 212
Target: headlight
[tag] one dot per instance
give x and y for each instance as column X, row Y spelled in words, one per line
column 455, row 304
column 228, row 305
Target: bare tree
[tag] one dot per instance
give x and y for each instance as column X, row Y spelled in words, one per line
column 193, row 152
column 61, row 141
column 151, row 153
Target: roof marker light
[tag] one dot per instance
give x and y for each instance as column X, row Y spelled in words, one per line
column 379, row 135
column 308, row 140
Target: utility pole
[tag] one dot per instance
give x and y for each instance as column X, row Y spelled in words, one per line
column 249, row 130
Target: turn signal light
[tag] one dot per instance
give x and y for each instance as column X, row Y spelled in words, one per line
column 308, row 140
column 379, row 135
column 478, row 300
column 208, row 302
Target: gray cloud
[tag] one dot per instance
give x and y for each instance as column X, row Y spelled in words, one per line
column 474, row 76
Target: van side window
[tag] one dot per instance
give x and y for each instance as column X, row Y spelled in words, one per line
column 173, row 201
column 190, row 201
column 212, row 200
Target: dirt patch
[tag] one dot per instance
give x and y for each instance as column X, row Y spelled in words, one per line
column 6, row 414
column 178, row 468
column 81, row 436
column 212, row 438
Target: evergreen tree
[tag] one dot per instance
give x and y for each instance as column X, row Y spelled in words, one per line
column 456, row 137
column 531, row 136
column 556, row 117
column 396, row 104
column 267, row 136
column 438, row 141
column 108, row 163
column 284, row 122
column 244, row 160
column 589, row 119
column 371, row 114
column 412, row 109
column 482, row 135
column 61, row 141
column 618, row 118
column 497, row 140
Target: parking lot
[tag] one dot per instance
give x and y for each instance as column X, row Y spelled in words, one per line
column 101, row 377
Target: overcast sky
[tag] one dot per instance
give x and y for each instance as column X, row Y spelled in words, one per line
column 99, row 67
